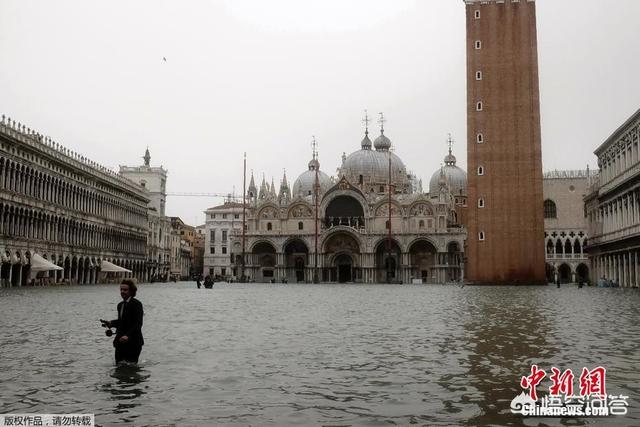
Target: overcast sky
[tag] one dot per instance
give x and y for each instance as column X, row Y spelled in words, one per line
column 264, row 76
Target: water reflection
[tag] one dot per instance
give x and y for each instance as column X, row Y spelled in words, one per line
column 126, row 384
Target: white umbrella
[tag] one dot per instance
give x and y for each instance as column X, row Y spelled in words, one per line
column 109, row 267
column 41, row 264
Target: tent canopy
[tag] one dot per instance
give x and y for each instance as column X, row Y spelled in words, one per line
column 109, row 267
column 41, row 264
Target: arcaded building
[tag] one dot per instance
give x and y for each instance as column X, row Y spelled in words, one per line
column 505, row 243
column 612, row 207
column 65, row 208
column 371, row 223
column 565, row 226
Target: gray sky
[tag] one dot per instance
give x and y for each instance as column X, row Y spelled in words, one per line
column 264, row 76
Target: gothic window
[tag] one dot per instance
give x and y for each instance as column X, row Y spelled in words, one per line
column 481, row 203
column 550, row 210
column 480, row 170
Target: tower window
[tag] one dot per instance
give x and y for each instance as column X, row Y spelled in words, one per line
column 300, row 225
column 481, row 202
column 480, row 170
column 478, row 44
column 479, row 138
column 481, row 236
column 478, row 75
column 477, row 14
column 479, row 106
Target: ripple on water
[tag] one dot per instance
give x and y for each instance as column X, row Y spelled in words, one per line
column 245, row 354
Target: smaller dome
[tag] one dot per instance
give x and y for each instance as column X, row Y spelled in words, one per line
column 314, row 164
column 450, row 160
column 382, row 143
column 453, row 175
column 366, row 142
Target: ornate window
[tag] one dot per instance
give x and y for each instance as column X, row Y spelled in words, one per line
column 550, row 210
column 269, row 226
column 300, row 225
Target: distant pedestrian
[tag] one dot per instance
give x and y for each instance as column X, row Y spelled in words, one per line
column 198, row 282
column 558, row 282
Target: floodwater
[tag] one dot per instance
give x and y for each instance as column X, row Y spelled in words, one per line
column 333, row 355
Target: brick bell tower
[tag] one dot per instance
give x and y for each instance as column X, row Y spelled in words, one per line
column 505, row 243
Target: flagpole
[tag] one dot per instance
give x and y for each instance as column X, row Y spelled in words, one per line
column 244, row 214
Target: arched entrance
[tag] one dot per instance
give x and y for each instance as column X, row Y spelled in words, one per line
column 423, row 261
column 388, row 260
column 296, row 259
column 342, row 254
column 582, row 273
column 344, row 268
column 264, row 255
column 564, row 271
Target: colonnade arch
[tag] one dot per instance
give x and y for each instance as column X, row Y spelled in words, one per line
column 15, row 269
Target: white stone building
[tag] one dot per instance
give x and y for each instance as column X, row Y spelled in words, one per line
column 67, row 209
column 153, row 180
column 220, row 224
column 565, row 226
column 612, row 207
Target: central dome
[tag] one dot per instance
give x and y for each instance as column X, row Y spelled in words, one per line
column 369, row 169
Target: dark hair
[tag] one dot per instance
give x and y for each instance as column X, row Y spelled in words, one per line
column 133, row 289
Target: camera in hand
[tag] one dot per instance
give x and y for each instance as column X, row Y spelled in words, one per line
column 105, row 323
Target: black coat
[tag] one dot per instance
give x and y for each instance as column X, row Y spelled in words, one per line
column 129, row 322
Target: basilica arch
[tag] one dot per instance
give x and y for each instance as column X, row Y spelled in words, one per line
column 344, row 210
column 423, row 259
column 388, row 261
column 296, row 257
column 263, row 261
column 341, row 258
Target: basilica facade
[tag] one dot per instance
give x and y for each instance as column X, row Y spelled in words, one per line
column 372, row 223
